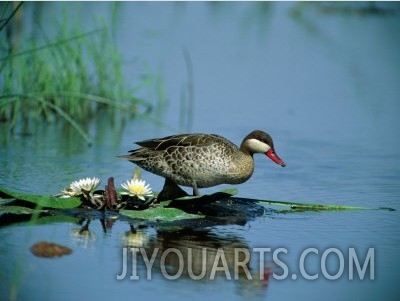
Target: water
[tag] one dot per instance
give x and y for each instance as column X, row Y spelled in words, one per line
column 325, row 85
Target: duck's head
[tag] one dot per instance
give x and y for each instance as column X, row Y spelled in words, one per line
column 261, row 142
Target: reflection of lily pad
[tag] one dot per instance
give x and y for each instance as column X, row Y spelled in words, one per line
column 14, row 214
column 49, row 250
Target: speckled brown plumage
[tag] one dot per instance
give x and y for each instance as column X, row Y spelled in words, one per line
column 198, row 160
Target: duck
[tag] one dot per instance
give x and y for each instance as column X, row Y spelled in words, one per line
column 202, row 160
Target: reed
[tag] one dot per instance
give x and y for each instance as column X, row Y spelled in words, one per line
column 71, row 76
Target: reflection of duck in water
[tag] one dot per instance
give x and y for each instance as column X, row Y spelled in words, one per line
column 83, row 236
column 202, row 160
column 200, row 255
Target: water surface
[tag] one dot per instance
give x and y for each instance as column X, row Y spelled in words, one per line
column 323, row 84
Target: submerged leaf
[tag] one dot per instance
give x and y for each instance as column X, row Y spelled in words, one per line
column 304, row 206
column 49, row 250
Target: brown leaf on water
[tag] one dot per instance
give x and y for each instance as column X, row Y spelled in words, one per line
column 48, row 249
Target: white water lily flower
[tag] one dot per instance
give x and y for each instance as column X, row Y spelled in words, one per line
column 82, row 186
column 137, row 187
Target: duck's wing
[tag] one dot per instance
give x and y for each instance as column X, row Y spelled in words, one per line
column 199, row 140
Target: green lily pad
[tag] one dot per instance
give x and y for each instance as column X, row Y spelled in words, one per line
column 159, row 213
column 43, row 201
column 18, row 210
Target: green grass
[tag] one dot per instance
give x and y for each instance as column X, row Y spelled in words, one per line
column 71, row 76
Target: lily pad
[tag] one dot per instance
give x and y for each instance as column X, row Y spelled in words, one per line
column 159, row 213
column 43, row 201
column 173, row 210
column 18, row 210
column 224, row 192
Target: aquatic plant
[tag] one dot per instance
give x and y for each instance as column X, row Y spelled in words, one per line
column 137, row 188
column 71, row 76
column 82, row 186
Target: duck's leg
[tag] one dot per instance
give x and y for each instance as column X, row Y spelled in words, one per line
column 170, row 191
column 195, row 189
